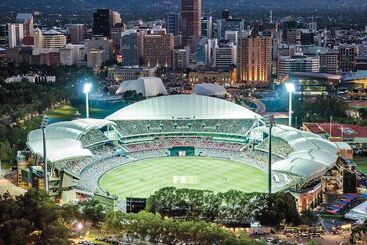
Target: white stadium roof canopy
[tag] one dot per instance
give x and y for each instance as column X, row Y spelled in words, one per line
column 312, row 155
column 183, row 107
column 63, row 139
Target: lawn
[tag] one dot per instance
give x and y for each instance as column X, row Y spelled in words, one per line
column 65, row 112
column 143, row 178
column 361, row 163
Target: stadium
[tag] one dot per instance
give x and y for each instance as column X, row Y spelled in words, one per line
column 186, row 141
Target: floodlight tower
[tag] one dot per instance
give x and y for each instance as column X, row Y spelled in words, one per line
column 87, row 88
column 270, row 123
column 291, row 89
column 45, row 167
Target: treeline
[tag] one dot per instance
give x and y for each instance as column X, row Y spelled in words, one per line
column 35, row 219
column 226, row 208
column 320, row 110
column 154, row 228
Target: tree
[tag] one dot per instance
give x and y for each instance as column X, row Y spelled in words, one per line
column 15, row 231
column 32, row 218
column 309, row 218
column 93, row 211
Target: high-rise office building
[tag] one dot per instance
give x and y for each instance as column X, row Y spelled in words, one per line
column 4, row 38
column 226, row 14
column 77, row 33
column 116, row 31
column 116, row 18
column 329, row 62
column 254, row 61
column 38, row 38
column 15, row 34
column 230, row 25
column 181, row 59
column 225, row 55
column 27, row 20
column 191, row 18
column 129, row 48
column 173, row 23
column 299, row 63
column 102, row 22
column 158, row 49
column 207, row 27
column 231, row 36
column 53, row 39
column 347, row 56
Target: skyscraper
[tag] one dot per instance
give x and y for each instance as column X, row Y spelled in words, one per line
column 4, row 39
column 102, row 22
column 207, row 27
column 77, row 33
column 158, row 49
column 116, row 18
column 27, row 21
column 173, row 23
column 129, row 48
column 254, row 61
column 347, row 55
column 191, row 18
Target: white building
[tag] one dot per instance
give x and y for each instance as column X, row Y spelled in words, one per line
column 231, row 36
column 30, row 79
column 15, row 34
column 288, row 64
column 72, row 54
column 122, row 73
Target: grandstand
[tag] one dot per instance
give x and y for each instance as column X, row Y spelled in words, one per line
column 82, row 151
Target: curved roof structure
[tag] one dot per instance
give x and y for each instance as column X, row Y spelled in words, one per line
column 348, row 77
column 183, row 107
column 63, row 139
column 209, row 89
column 311, row 157
column 147, row 86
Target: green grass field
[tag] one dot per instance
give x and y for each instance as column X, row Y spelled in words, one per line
column 143, row 178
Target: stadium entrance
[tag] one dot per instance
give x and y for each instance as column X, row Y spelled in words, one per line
column 182, row 151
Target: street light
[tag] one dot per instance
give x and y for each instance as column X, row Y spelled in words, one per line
column 45, row 167
column 291, row 89
column 270, row 123
column 87, row 88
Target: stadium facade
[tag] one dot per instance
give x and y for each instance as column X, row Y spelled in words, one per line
column 79, row 152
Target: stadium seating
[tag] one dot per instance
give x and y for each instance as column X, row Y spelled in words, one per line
column 279, row 146
column 128, row 128
column 168, row 142
column 92, row 137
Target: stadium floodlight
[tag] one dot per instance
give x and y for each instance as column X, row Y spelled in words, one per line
column 291, row 88
column 87, row 88
column 45, row 167
column 270, row 123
